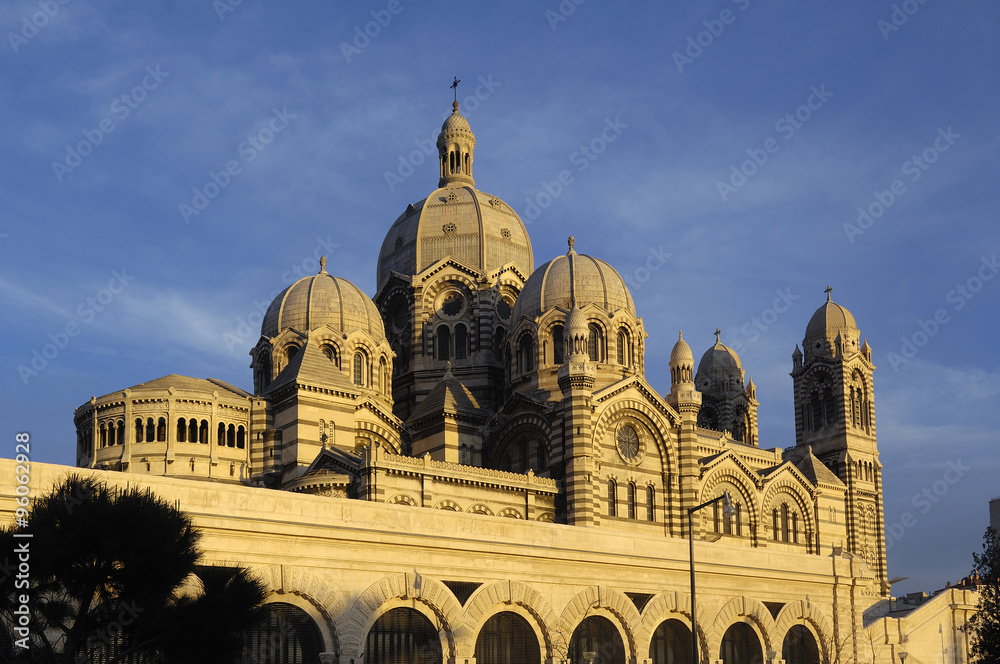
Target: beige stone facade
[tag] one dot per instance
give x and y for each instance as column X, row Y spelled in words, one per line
column 477, row 447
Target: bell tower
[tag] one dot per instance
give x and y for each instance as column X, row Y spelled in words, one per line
column 835, row 421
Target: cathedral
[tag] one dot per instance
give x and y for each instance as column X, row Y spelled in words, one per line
column 471, row 467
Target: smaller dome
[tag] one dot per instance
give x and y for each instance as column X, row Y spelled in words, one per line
column 720, row 358
column 681, row 352
column 576, row 322
column 456, row 122
column 573, row 280
column 829, row 319
column 323, row 299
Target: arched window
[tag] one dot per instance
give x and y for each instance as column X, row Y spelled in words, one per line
column 181, row 430
column 624, row 350
column 285, row 635
column 650, row 503
column 203, row 433
column 241, row 437
column 265, row 371
column 359, row 369
column 507, row 638
column 330, row 351
column 161, row 430
column 784, row 522
column 595, row 343
column 120, row 432
column 150, row 430
column 740, row 644
column 383, row 375
column 612, row 498
column 290, row 353
column 461, row 342
column 138, row 430
column 222, row 434
column 671, row 643
column 104, row 435
column 558, row 345
column 631, row 500
column 526, row 354
column 193, row 431
column 443, row 343
column 231, row 436
column 598, row 635
column 403, row 635
column 799, row 646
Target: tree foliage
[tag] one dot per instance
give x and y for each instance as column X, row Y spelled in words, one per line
column 114, row 577
column 985, row 623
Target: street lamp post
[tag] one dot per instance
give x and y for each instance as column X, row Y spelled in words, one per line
column 726, row 511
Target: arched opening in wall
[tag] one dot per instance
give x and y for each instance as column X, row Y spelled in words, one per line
column 631, row 500
column 359, row 369
column 203, row 433
column 139, row 430
column 222, row 434
column 193, row 431
column 597, row 635
column 290, row 353
column 461, row 342
column 286, row 635
column 740, row 645
column 558, row 344
column 241, row 437
column 671, row 643
column 150, row 430
column 403, row 636
column 526, row 354
column 507, row 638
column 265, row 371
column 595, row 343
column 181, row 430
column 383, row 376
column 161, row 430
column 612, row 498
column 120, row 432
column 231, row 436
column 330, row 352
column 624, row 349
column 650, row 503
column 799, row 646
column 104, row 435
column 443, row 343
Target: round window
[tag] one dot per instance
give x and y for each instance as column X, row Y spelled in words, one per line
column 451, row 304
column 503, row 309
column 628, row 442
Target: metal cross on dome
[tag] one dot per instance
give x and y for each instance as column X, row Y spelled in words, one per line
column 454, row 86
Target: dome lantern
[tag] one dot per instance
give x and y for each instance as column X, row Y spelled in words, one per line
column 455, row 145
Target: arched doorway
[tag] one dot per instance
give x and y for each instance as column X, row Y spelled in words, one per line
column 740, row 645
column 286, row 635
column 597, row 635
column 799, row 646
column 507, row 638
column 671, row 643
column 403, row 636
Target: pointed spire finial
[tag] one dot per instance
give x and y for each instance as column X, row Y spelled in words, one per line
column 572, row 242
column 717, row 333
column 680, row 335
column 828, row 291
column 322, row 264
column 447, row 370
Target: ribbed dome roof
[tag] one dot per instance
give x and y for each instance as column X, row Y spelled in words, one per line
column 456, row 122
column 573, row 279
column 720, row 358
column 830, row 318
column 312, row 302
column 473, row 227
column 681, row 352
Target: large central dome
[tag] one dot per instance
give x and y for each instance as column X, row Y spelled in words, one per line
column 457, row 220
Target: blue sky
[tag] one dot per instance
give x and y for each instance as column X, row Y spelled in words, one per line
column 738, row 137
